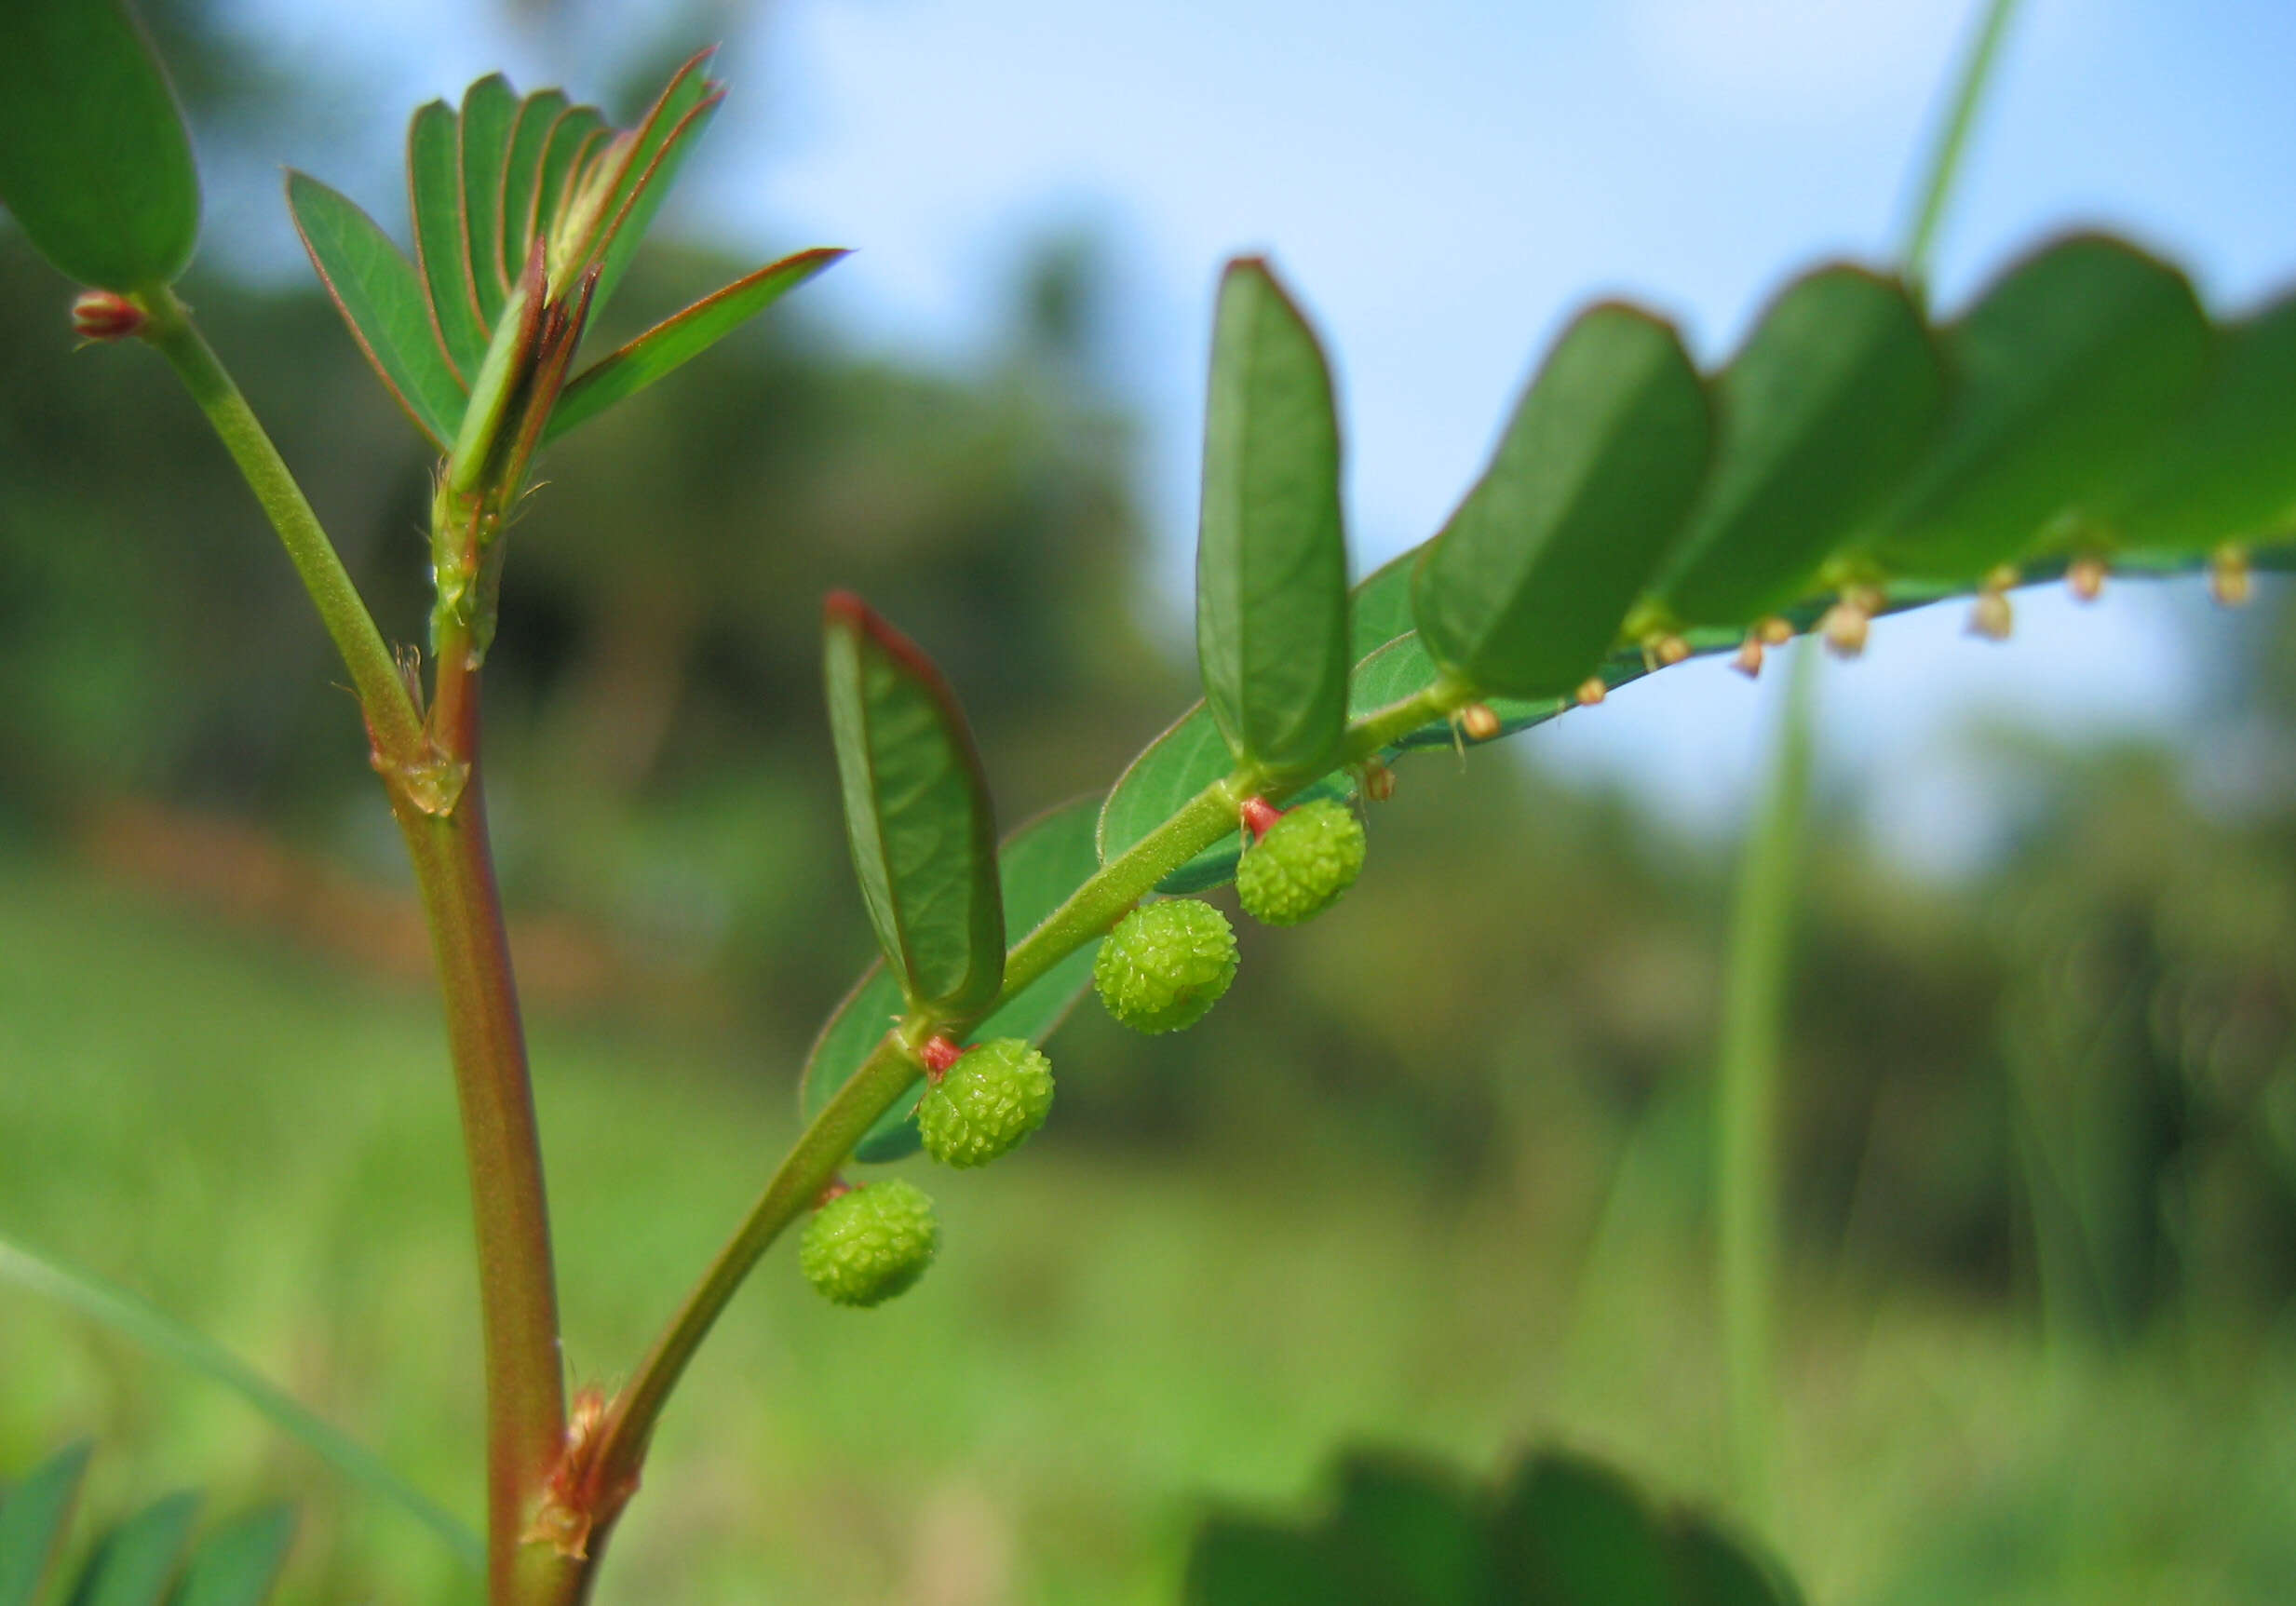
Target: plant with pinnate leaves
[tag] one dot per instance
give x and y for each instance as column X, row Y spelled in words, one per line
column 1856, row 456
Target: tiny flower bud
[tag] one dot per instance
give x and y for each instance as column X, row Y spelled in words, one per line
column 1480, row 721
column 1378, row 780
column 1774, row 631
column 105, row 315
column 1990, row 616
column 1670, row 650
column 1591, row 690
column 938, row 1055
column 1748, row 661
column 2085, row 577
column 2229, row 581
column 1843, row 628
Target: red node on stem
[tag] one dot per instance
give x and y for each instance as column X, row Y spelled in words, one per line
column 1259, row 813
column 939, row 1054
column 105, row 315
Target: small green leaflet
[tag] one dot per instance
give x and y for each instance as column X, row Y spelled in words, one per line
column 1039, row 866
column 1525, row 589
column 917, row 813
column 1271, row 573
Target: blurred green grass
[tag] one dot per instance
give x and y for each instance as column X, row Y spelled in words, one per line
column 264, row 1145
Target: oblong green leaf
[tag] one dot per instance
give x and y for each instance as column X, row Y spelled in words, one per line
column 2067, row 367
column 1823, row 413
column 482, row 139
column 1524, row 590
column 1271, row 571
column 681, row 338
column 663, row 139
column 2228, row 472
column 1570, row 1531
column 917, row 812
column 133, row 1563
column 1038, row 867
column 572, row 137
column 94, row 160
column 375, row 288
column 1710, row 1568
column 1190, row 755
column 35, row 1517
column 239, row 1563
column 1380, row 606
column 435, row 196
column 522, row 176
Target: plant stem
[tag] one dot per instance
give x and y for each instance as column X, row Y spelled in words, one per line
column 1943, row 169
column 1746, row 1167
column 893, row 1067
column 391, row 714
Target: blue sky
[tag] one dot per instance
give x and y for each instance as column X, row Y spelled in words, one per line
column 1442, row 183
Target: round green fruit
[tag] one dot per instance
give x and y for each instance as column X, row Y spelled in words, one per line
column 1165, row 964
column 995, row 1095
column 1302, row 864
column 871, row 1242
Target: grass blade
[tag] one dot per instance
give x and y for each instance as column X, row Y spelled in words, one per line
column 125, row 1314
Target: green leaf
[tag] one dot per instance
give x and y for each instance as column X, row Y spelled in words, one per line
column 917, row 813
column 1412, row 1535
column 1710, row 1570
column 2228, row 472
column 1188, row 757
column 94, row 160
column 435, row 192
column 678, row 339
column 240, row 1564
column 665, row 139
column 1822, row 413
column 1524, row 591
column 522, row 176
column 867, row 1013
column 133, row 1564
column 375, row 288
column 2068, row 365
column 1271, row 571
column 1236, row 1561
column 573, row 137
column 34, row 1517
column 490, row 108
column 1577, row 1534
column 1380, row 607
column 1038, row 867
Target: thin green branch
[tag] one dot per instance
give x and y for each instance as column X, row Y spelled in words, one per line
column 892, row 1068
column 1746, row 1172
column 1942, row 171
column 137, row 1319
column 391, row 715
